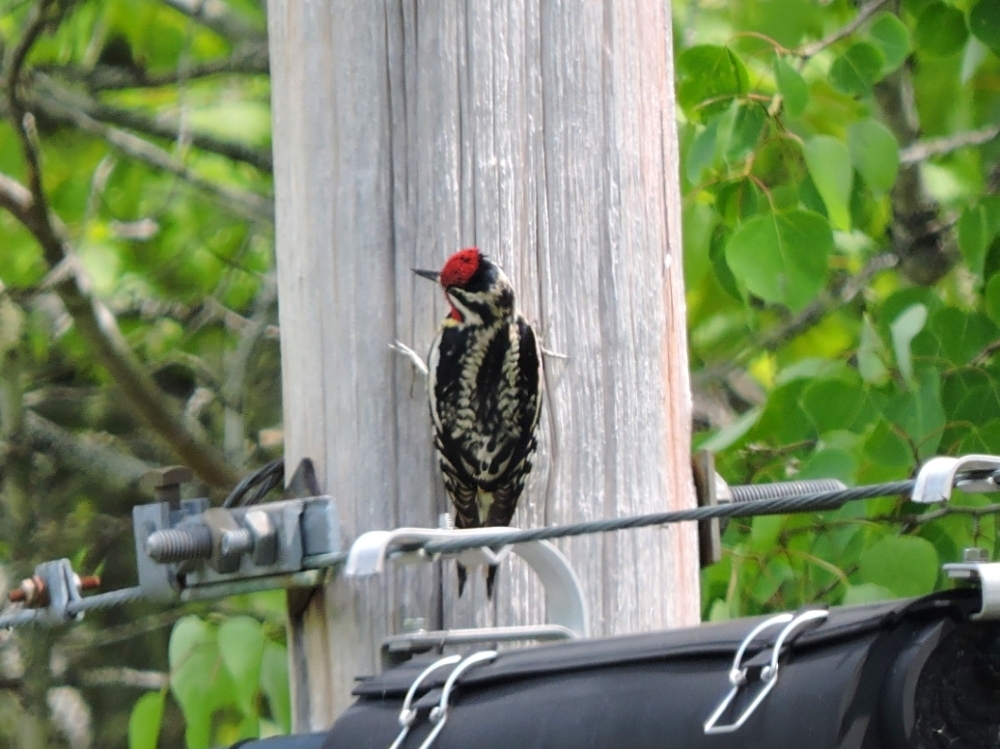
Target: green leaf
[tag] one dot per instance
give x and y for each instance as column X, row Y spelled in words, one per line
column 905, row 565
column 904, row 329
column 874, row 153
column 779, row 162
column 712, row 74
column 829, row 165
column 197, row 679
column 699, row 221
column 940, row 30
column 274, row 683
column 855, row 71
column 241, row 642
column 992, row 306
column 791, row 85
column 984, row 23
column 857, row 595
column 872, row 354
column 830, row 463
column 892, row 38
column 978, row 226
column 746, row 129
column 701, row 154
column 919, row 414
column 144, row 722
column 833, row 405
column 782, row 257
column 962, row 335
column 764, row 531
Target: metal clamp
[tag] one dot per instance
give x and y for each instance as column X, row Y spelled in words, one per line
column 768, row 674
column 191, row 549
column 51, row 590
column 565, row 605
column 938, row 476
column 439, row 714
column 408, row 716
column 987, row 574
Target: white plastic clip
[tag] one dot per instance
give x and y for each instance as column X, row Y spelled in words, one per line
column 439, row 714
column 768, row 674
column 407, row 716
column 987, row 574
column 937, row 477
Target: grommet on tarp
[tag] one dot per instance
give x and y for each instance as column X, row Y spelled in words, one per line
column 768, row 674
column 407, row 716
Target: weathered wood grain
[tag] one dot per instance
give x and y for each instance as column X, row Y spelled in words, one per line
column 543, row 132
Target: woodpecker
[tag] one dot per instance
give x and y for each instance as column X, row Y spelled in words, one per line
column 484, row 387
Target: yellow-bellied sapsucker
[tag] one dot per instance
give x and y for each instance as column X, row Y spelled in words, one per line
column 484, row 386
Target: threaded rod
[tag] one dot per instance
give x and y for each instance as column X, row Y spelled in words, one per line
column 754, row 492
column 179, row 544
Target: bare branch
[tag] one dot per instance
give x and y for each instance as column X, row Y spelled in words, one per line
column 864, row 13
column 217, row 16
column 927, row 149
column 259, row 158
column 243, row 202
column 248, row 59
column 118, row 471
column 99, row 329
column 125, row 677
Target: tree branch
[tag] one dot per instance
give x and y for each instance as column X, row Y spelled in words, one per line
column 120, row 472
column 99, row 329
column 927, row 149
column 258, row 158
column 243, row 202
column 864, row 13
column 248, row 59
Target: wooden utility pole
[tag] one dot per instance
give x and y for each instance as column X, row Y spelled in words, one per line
column 543, row 133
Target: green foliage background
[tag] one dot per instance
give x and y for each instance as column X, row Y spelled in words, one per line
column 841, row 222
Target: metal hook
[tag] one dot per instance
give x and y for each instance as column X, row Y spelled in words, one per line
column 768, row 674
column 439, row 715
column 408, row 715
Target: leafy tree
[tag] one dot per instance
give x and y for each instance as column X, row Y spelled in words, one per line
column 839, row 171
column 137, row 311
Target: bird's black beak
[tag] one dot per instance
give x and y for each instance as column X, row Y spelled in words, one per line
column 433, row 275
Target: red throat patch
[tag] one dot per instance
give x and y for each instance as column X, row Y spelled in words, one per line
column 460, row 267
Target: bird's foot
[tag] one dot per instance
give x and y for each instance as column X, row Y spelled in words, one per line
column 418, row 364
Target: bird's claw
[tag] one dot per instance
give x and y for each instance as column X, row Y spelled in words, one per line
column 418, row 364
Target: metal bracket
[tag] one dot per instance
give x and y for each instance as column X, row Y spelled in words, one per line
column 937, row 477
column 987, row 574
column 192, row 550
column 565, row 605
column 738, row 674
column 63, row 587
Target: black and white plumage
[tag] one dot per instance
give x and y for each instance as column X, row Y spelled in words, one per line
column 485, row 394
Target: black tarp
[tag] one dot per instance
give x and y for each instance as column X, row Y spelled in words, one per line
column 848, row 683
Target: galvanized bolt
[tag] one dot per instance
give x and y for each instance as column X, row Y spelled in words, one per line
column 180, row 544
column 975, row 554
column 33, row 593
column 238, row 541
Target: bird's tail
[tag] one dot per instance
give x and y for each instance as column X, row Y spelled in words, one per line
column 463, row 576
column 491, row 575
